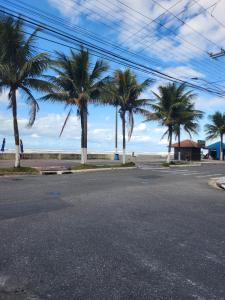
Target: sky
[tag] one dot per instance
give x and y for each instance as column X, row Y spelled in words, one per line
column 173, row 37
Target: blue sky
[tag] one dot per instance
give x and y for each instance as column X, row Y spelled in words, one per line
column 175, row 48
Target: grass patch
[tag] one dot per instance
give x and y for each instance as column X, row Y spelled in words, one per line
column 103, row 166
column 165, row 164
column 20, row 170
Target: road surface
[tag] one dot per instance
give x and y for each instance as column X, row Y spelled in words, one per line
column 147, row 233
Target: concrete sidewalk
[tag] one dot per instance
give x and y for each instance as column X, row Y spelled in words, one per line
column 53, row 164
column 64, row 164
column 213, row 162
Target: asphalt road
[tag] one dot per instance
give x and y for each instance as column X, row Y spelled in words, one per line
column 123, row 234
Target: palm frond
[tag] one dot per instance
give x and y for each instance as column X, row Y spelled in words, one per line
column 99, row 68
column 131, row 124
column 216, row 127
column 34, row 66
column 38, row 84
column 34, row 107
column 65, row 122
column 57, row 96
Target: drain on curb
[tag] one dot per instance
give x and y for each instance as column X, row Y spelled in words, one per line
column 56, row 172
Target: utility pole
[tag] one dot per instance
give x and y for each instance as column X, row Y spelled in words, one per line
column 116, row 155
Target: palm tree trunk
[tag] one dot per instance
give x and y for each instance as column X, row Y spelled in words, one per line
column 179, row 150
column 15, row 127
column 124, row 137
column 84, row 134
column 221, row 147
column 170, row 143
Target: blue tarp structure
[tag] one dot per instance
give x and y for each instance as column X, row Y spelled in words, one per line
column 216, row 147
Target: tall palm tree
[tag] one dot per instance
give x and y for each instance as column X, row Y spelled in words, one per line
column 21, row 68
column 173, row 108
column 123, row 91
column 216, row 129
column 77, row 84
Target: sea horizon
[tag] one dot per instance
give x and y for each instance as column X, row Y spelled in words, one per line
column 77, row 151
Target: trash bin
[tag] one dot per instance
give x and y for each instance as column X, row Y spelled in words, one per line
column 116, row 156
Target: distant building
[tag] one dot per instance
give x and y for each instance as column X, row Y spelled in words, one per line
column 189, row 150
column 214, row 150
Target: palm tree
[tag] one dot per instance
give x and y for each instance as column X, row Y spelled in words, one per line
column 173, row 108
column 123, row 91
column 77, row 84
column 21, row 68
column 216, row 129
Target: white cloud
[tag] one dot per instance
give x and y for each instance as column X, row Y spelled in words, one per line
column 140, row 127
column 4, row 97
column 68, row 8
column 184, row 72
column 163, row 142
column 210, row 103
column 98, row 135
column 159, row 130
column 45, row 135
column 134, row 25
column 141, row 138
column 4, row 100
column 49, row 126
column 35, row 136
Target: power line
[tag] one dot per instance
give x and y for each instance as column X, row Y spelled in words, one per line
column 136, row 53
column 99, row 40
column 203, row 9
column 144, row 27
column 167, row 29
column 182, row 23
column 206, row 10
column 142, row 70
column 114, row 57
column 121, row 49
column 186, row 24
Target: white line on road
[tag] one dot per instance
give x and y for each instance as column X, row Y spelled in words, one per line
column 192, row 173
column 174, row 171
column 202, row 176
column 149, row 168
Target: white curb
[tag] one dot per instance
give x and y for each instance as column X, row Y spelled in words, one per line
column 84, row 171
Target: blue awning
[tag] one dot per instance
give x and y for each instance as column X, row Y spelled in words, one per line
column 215, row 146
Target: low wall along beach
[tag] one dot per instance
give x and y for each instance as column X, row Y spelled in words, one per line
column 76, row 156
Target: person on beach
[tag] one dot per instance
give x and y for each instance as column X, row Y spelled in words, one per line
column 3, row 145
column 21, row 148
